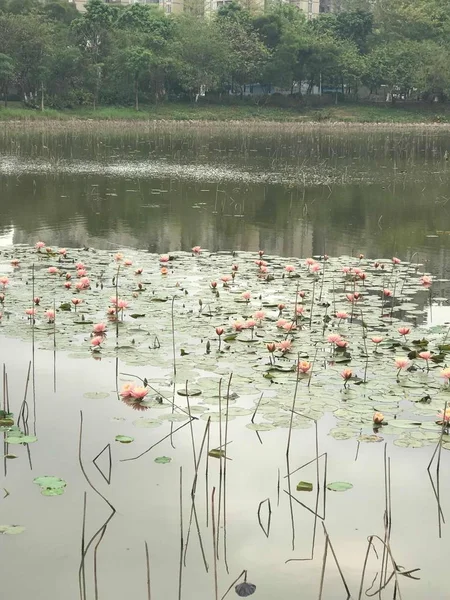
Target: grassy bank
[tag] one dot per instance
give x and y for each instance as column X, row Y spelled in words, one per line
column 344, row 113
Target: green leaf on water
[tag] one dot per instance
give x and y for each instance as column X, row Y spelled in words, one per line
column 260, row 426
column 304, row 486
column 137, row 316
column 96, row 395
column 162, row 460
column 147, row 423
column 190, row 392
column 50, row 485
column 65, row 306
column 124, row 439
column 339, row 486
column 11, row 529
column 22, row 439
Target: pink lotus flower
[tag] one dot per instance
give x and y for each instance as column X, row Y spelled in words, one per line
column 425, row 355
column 37, row 300
column 263, row 269
column 303, row 366
column 139, row 271
column 310, row 261
column 377, row 339
column 315, row 268
column 246, row 296
column 445, row 373
column 281, row 306
column 62, row 251
column 289, row 326
column 445, row 417
column 68, row 276
column 67, row 285
column 285, row 346
column 84, row 283
column 113, row 300
column 138, row 393
column 219, row 331
column 118, row 257
column 226, row 278
column 50, row 314
column 401, row 363
column 80, row 265
column 196, row 249
column 238, row 325
column 341, row 315
column 259, row 315
column 341, row 344
column 300, row 310
column 346, row 374
column 126, row 390
column 164, row 271
column 387, row 293
column 378, row 418
column 164, row 258
column 333, row 338
column 250, row 324
column 271, row 347
column 15, row 262
column 289, row 268
column 96, row 341
column 235, row 268
column 404, row 331
column 395, row 260
column 53, row 270
column 111, row 310
column 346, row 270
column 121, row 304
column 213, row 284
column 362, row 276
column 261, row 263
column 49, row 250
column 127, row 262
column 352, row 298
column 30, row 312
column 281, row 323
column 426, row 281
column 99, row 328
column 39, row 245
column 357, row 270
column 76, row 301
column 4, row 280
column 302, row 294
column 81, row 273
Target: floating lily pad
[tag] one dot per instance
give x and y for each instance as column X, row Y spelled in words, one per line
column 50, row 486
column 23, row 439
column 147, row 423
column 124, row 439
column 339, row 486
column 162, row 460
column 96, row 395
column 190, row 392
column 11, row 529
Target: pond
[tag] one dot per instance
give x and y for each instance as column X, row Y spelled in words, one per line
column 231, row 343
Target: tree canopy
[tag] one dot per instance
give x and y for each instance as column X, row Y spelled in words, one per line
column 127, row 54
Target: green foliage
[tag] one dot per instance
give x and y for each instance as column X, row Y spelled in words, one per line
column 50, row 54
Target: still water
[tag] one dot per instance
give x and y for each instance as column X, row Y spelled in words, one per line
column 293, row 194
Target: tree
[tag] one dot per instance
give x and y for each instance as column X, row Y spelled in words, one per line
column 138, row 61
column 6, row 75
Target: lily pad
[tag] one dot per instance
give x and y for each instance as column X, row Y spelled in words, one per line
column 124, row 439
column 11, row 529
column 96, row 395
column 50, row 485
column 339, row 486
column 163, row 460
column 147, row 423
column 23, row 439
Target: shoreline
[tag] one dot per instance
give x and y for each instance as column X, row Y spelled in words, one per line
column 85, row 124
